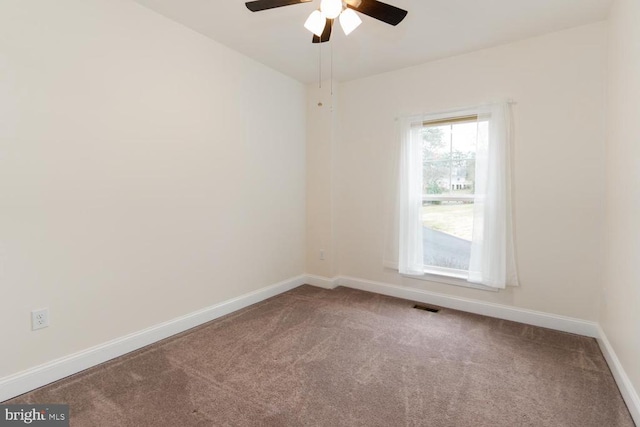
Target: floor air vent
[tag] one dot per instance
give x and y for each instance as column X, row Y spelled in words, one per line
column 426, row 308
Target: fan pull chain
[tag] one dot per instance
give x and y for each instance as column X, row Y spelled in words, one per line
column 331, row 47
column 320, row 66
column 320, row 73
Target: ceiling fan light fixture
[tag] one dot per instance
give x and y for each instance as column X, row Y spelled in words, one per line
column 316, row 23
column 349, row 21
column 331, row 8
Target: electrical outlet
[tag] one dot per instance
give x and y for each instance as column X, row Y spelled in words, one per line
column 321, row 254
column 39, row 319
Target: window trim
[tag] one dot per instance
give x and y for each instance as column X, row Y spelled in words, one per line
column 440, row 277
column 448, row 197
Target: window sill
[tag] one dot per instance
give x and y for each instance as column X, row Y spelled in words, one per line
column 449, row 279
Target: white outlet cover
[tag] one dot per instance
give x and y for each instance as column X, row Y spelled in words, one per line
column 39, row 319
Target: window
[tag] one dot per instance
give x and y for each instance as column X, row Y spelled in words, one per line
column 449, row 155
column 454, row 204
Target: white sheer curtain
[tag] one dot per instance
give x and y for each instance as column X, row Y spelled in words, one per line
column 492, row 261
column 410, row 252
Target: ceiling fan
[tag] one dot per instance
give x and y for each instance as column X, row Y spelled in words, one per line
column 320, row 22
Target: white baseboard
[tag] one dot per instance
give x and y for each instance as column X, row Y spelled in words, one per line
column 321, row 282
column 530, row 317
column 22, row 382
column 629, row 394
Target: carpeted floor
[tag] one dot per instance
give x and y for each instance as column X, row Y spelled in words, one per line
column 349, row 358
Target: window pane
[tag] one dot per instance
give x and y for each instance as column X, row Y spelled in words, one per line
column 437, row 177
column 448, row 227
column 465, row 137
column 436, row 142
column 449, row 160
column 463, row 153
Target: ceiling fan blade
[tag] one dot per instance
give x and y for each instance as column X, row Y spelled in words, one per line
column 376, row 9
column 326, row 34
column 258, row 5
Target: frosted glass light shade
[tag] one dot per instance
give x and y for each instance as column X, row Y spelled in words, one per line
column 349, row 21
column 316, row 23
column 331, row 8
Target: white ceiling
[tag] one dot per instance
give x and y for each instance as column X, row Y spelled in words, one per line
column 433, row 29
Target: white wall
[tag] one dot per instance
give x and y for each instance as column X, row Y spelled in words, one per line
column 620, row 310
column 145, row 172
column 558, row 82
column 322, row 113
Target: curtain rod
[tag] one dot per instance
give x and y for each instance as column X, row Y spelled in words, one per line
column 459, row 110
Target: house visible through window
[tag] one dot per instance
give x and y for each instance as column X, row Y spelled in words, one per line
column 449, row 160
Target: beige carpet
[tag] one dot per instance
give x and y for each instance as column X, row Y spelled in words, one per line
column 349, row 358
